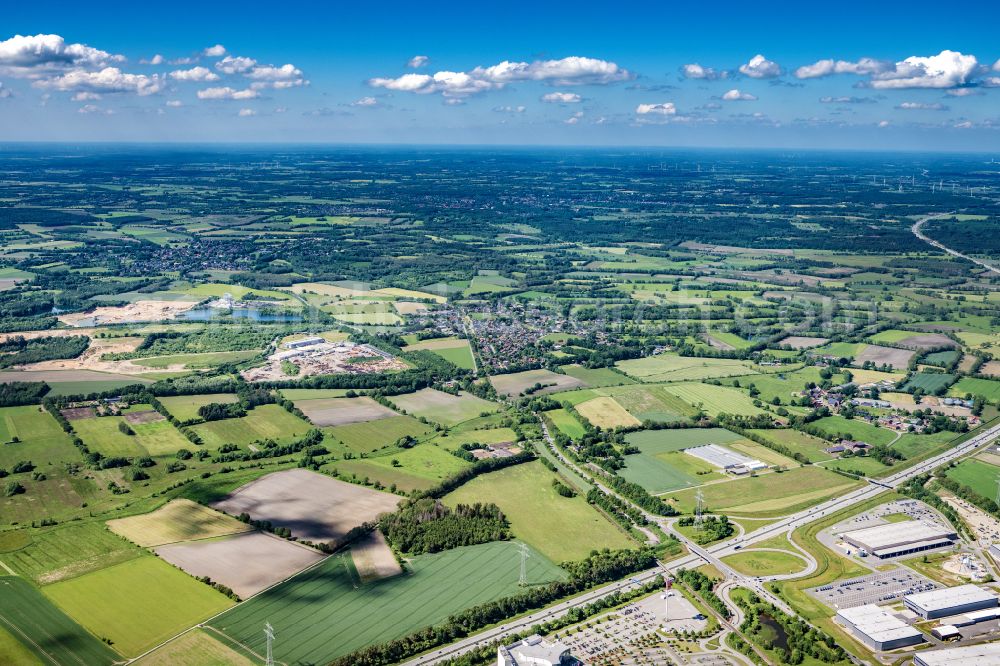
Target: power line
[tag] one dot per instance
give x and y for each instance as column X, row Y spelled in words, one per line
column 269, row 634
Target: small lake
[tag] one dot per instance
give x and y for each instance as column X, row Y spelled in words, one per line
column 773, row 631
column 253, row 314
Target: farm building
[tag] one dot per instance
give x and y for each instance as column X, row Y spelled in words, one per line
column 893, row 540
column 878, row 628
column 987, row 654
column 724, row 458
column 950, row 601
column 534, row 651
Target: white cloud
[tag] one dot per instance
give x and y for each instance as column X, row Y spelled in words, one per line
column 32, row 56
column 760, row 67
column 175, row 103
column 225, row 92
column 829, row 66
column 846, row 100
column 199, row 74
column 269, row 76
column 235, row 65
column 92, row 108
column 417, row 61
column 991, row 82
column 244, row 113
column 574, row 119
column 966, row 124
column 735, row 95
column 948, row 69
column 454, row 101
column 661, row 109
column 107, row 80
column 5, row 92
column 155, row 60
column 963, row 92
column 85, row 97
column 996, row 66
column 365, row 101
column 883, row 123
column 214, row 51
column 574, row 70
column 696, row 71
column 561, row 98
column 510, row 109
column 921, row 106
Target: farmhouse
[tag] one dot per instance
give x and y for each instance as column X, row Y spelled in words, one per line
column 726, row 459
column 534, row 651
column 950, row 601
column 878, row 628
column 893, row 540
column 987, row 654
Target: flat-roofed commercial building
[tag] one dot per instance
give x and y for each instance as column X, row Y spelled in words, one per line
column 950, row 601
column 987, row 654
column 878, row 628
column 895, row 539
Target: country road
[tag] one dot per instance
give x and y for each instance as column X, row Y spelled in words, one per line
column 955, row 253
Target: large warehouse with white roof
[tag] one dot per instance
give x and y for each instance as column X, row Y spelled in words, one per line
column 987, row 654
column 950, row 601
column 878, row 628
column 895, row 539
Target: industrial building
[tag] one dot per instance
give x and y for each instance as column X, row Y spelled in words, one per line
column 727, row 459
column 304, row 342
column 534, row 651
column 987, row 654
column 895, row 539
column 878, row 628
column 950, row 601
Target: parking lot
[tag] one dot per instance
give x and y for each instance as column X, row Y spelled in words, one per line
column 877, row 588
column 632, row 630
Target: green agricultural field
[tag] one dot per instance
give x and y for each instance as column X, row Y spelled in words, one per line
column 454, row 438
column 312, row 394
column 930, row 382
column 263, row 422
column 517, row 382
column 326, row 612
column 784, row 386
column 769, row 495
column 987, row 389
column 566, row 423
column 891, row 336
column 155, row 438
column 198, row 648
column 660, row 466
column 453, row 350
column 41, row 440
column 597, row 377
column 978, row 475
column 443, row 408
column 798, row 442
column 856, row 429
column 12, row 651
column 715, row 400
column 649, row 402
column 765, row 562
column 196, row 361
column 137, row 604
column 839, row 349
column 864, row 464
column 185, row 407
column 667, row 367
column 46, row 632
column 64, row 551
column 417, row 468
column 941, row 359
column 373, row 435
column 561, row 528
column 92, row 386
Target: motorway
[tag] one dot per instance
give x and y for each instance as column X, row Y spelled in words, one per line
column 711, row 555
column 955, row 253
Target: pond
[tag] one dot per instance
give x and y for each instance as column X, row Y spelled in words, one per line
column 772, row 631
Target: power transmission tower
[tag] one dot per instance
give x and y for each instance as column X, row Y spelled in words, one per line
column 523, row 579
column 699, row 507
column 269, row 634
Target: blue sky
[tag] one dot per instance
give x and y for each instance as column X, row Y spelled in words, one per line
column 845, row 75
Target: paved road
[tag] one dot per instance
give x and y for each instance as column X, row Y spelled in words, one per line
column 919, row 234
